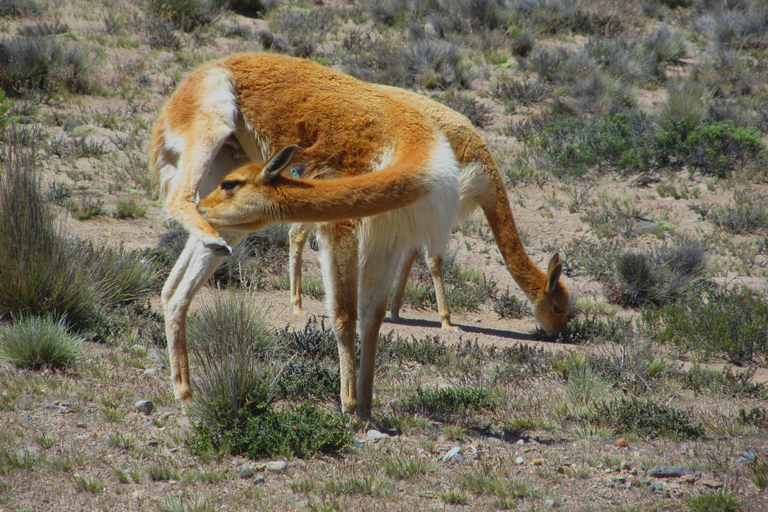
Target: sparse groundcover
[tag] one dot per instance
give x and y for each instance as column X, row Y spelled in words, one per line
column 447, row 404
column 730, row 323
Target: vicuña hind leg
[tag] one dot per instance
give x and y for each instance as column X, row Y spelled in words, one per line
column 339, row 258
column 377, row 274
column 192, row 269
column 405, row 272
column 436, row 268
column 298, row 235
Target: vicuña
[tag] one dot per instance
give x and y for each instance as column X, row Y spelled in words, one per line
column 481, row 185
column 226, row 135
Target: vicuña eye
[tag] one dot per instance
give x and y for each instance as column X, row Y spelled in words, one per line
column 229, row 185
column 557, row 310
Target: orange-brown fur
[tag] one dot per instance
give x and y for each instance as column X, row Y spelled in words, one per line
column 548, row 295
column 217, row 136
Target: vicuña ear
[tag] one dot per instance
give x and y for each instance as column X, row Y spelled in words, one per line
column 554, row 270
column 275, row 166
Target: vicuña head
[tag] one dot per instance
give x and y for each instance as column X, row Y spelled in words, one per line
column 551, row 300
column 256, row 195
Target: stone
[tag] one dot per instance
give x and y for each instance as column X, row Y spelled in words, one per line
column 549, row 503
column 622, row 443
column 149, row 372
column 26, row 417
column 657, row 487
column 668, row 471
column 260, row 479
column 276, row 466
column 643, row 227
column 625, row 466
column 519, row 460
column 50, row 406
column 536, row 462
column 145, row 407
column 375, row 435
column 359, row 442
column 520, row 442
column 673, row 485
column 245, row 472
column 747, row 458
column 688, row 479
column 453, row 452
column 710, row 483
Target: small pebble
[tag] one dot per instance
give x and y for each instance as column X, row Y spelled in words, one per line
column 549, row 503
column 712, row 484
column 276, row 466
column 145, row 406
column 519, row 460
column 451, row 453
column 245, row 471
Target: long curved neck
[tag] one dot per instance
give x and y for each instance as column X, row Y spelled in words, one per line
column 344, row 198
column 499, row 214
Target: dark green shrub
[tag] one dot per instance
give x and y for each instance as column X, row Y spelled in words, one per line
column 44, row 29
column 369, row 57
column 296, row 432
column 42, row 63
column 302, row 28
column 507, row 305
column 647, row 418
column 592, row 329
column 310, row 379
column 427, row 351
column 162, row 34
column 314, row 342
column 35, row 343
column 469, row 296
column 710, row 147
column 447, row 404
column 732, row 323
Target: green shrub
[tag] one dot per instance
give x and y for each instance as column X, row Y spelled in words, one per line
column 314, row 342
column 731, row 323
column 648, row 418
column 507, row 305
column 303, row 379
column 129, row 209
column 447, row 404
column 427, row 351
column 42, row 63
column 512, row 93
column 35, row 343
column 717, row 502
column 239, row 360
column 296, row 432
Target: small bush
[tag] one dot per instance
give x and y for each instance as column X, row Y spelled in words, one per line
column 19, row 8
column 35, row 343
column 513, row 92
column 129, row 209
column 729, row 323
column 314, row 342
column 186, row 15
column 507, row 305
column 405, row 467
column 647, row 418
column 476, row 112
column 427, row 351
column 447, row 404
column 303, row 379
column 718, row 502
column 657, row 277
column 42, row 63
column 743, row 219
column 724, row 382
column 296, row 432
column 239, row 360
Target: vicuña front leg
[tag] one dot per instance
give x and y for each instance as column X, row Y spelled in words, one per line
column 298, row 236
column 338, row 251
column 192, row 269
